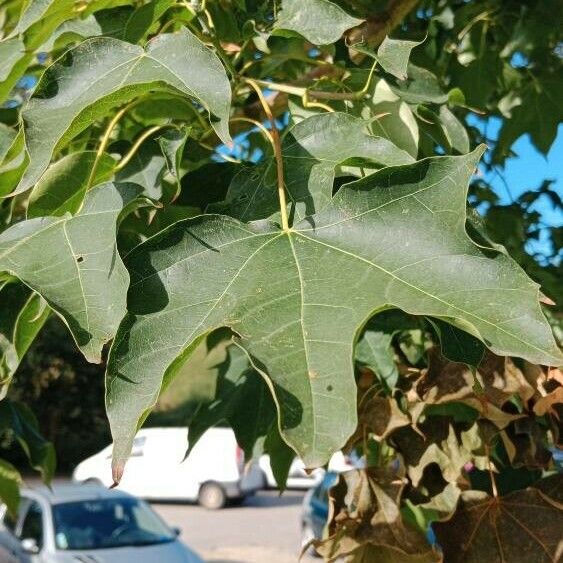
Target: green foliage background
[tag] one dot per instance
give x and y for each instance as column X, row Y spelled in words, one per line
column 125, row 202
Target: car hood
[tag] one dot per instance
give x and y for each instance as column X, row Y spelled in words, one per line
column 171, row 552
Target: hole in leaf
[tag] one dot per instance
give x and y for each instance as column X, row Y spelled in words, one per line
column 329, row 388
column 80, row 259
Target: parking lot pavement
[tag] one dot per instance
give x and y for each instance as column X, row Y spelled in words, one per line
column 265, row 528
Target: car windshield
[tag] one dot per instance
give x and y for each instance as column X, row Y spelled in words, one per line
column 107, row 523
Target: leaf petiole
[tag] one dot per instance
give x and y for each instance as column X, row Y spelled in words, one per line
column 132, row 151
column 105, row 140
column 276, row 143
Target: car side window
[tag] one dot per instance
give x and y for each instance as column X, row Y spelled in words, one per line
column 138, row 446
column 32, row 526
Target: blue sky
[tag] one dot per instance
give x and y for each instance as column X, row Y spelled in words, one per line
column 526, row 171
column 529, row 169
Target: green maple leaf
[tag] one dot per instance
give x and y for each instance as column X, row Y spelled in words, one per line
column 298, row 298
column 117, row 72
column 72, row 262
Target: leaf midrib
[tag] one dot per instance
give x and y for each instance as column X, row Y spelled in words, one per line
column 82, row 290
column 305, row 347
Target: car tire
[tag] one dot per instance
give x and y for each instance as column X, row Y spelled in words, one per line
column 237, row 501
column 212, row 496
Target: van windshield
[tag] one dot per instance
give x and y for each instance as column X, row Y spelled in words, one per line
column 107, row 523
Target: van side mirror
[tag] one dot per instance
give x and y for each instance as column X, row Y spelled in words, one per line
column 177, row 532
column 29, row 545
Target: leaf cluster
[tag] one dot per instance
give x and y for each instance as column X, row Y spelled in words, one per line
column 285, row 193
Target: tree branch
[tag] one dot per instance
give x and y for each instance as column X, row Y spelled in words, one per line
column 374, row 30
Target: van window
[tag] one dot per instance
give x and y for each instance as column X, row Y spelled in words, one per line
column 32, row 526
column 138, row 446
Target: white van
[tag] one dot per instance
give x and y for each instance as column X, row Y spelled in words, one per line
column 213, row 473
column 299, row 477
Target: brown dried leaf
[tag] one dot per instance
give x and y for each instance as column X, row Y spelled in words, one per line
column 500, row 379
column 439, row 443
column 529, row 442
column 365, row 521
column 551, row 486
column 556, row 374
column 498, row 417
column 378, row 416
column 369, row 553
column 522, row 527
column 547, row 404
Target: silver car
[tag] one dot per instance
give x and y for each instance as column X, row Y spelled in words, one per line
column 88, row 524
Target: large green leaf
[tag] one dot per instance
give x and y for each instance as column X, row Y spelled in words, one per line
column 63, row 186
column 311, row 150
column 297, row 299
column 116, row 72
column 319, row 21
column 23, row 315
column 81, row 276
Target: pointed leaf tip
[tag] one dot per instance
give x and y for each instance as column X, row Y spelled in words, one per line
column 116, row 473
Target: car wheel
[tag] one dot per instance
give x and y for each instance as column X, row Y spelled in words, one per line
column 212, row 496
column 307, row 535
